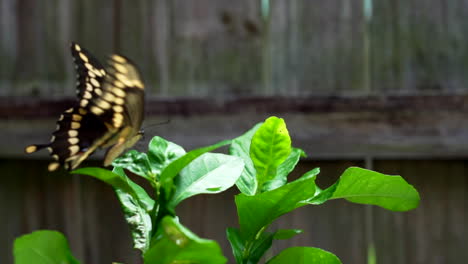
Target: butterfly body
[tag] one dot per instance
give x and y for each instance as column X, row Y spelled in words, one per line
column 108, row 113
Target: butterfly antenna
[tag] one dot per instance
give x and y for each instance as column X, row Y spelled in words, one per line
column 142, row 131
column 157, row 124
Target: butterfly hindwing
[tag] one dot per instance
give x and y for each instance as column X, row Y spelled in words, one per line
column 109, row 112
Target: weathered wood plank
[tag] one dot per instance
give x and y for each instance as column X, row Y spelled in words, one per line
column 325, row 127
column 437, row 225
column 224, row 48
column 433, row 233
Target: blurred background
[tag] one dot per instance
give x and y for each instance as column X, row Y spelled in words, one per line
column 378, row 84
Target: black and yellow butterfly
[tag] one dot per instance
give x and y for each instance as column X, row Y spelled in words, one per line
column 108, row 113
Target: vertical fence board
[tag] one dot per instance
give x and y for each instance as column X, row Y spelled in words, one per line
column 224, row 48
column 213, row 53
column 316, row 47
column 434, row 232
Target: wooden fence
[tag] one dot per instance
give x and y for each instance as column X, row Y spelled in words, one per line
column 88, row 213
column 371, row 83
column 224, row 48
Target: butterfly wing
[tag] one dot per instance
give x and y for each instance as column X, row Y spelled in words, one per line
column 109, row 113
column 89, row 71
column 124, row 82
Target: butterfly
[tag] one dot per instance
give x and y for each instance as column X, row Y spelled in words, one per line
column 108, row 112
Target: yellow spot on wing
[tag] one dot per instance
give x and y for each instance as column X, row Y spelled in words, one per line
column 75, row 125
column 119, row 84
column 98, row 91
column 118, row 58
column 87, row 95
column 118, row 108
column 94, row 82
column 73, row 150
column 96, row 110
column 83, row 57
column 119, row 101
column 72, row 133
column 73, row 140
column 109, row 97
column 138, row 84
column 103, row 104
column 118, row 92
column 121, row 68
column 89, row 87
column 77, row 117
column 31, row 149
column 53, row 166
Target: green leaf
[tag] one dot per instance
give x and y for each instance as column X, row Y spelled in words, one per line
column 283, row 234
column 161, row 153
column 247, row 252
column 209, row 173
column 135, row 162
column 255, row 251
column 176, row 244
column 258, row 211
column 363, row 186
column 171, row 171
column 240, row 147
column 43, row 247
column 321, row 196
column 271, row 146
column 135, row 202
column 137, row 216
column 120, row 182
column 284, row 169
column 237, row 243
column 304, row 255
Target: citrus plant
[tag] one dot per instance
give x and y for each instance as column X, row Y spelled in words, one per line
column 258, row 163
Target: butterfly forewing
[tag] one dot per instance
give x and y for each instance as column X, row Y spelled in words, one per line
column 89, row 73
column 109, row 112
column 124, row 85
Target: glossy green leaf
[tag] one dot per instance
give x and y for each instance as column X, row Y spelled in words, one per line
column 135, row 202
column 258, row 211
column 284, row 169
column 304, row 255
column 271, row 146
column 246, row 252
column 257, row 248
column 363, row 186
column 240, row 147
column 135, row 162
column 171, row 171
column 176, row 244
column 120, row 182
column 161, row 153
column 136, row 213
column 209, row 173
column 43, row 247
column 287, row 233
column 237, row 243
